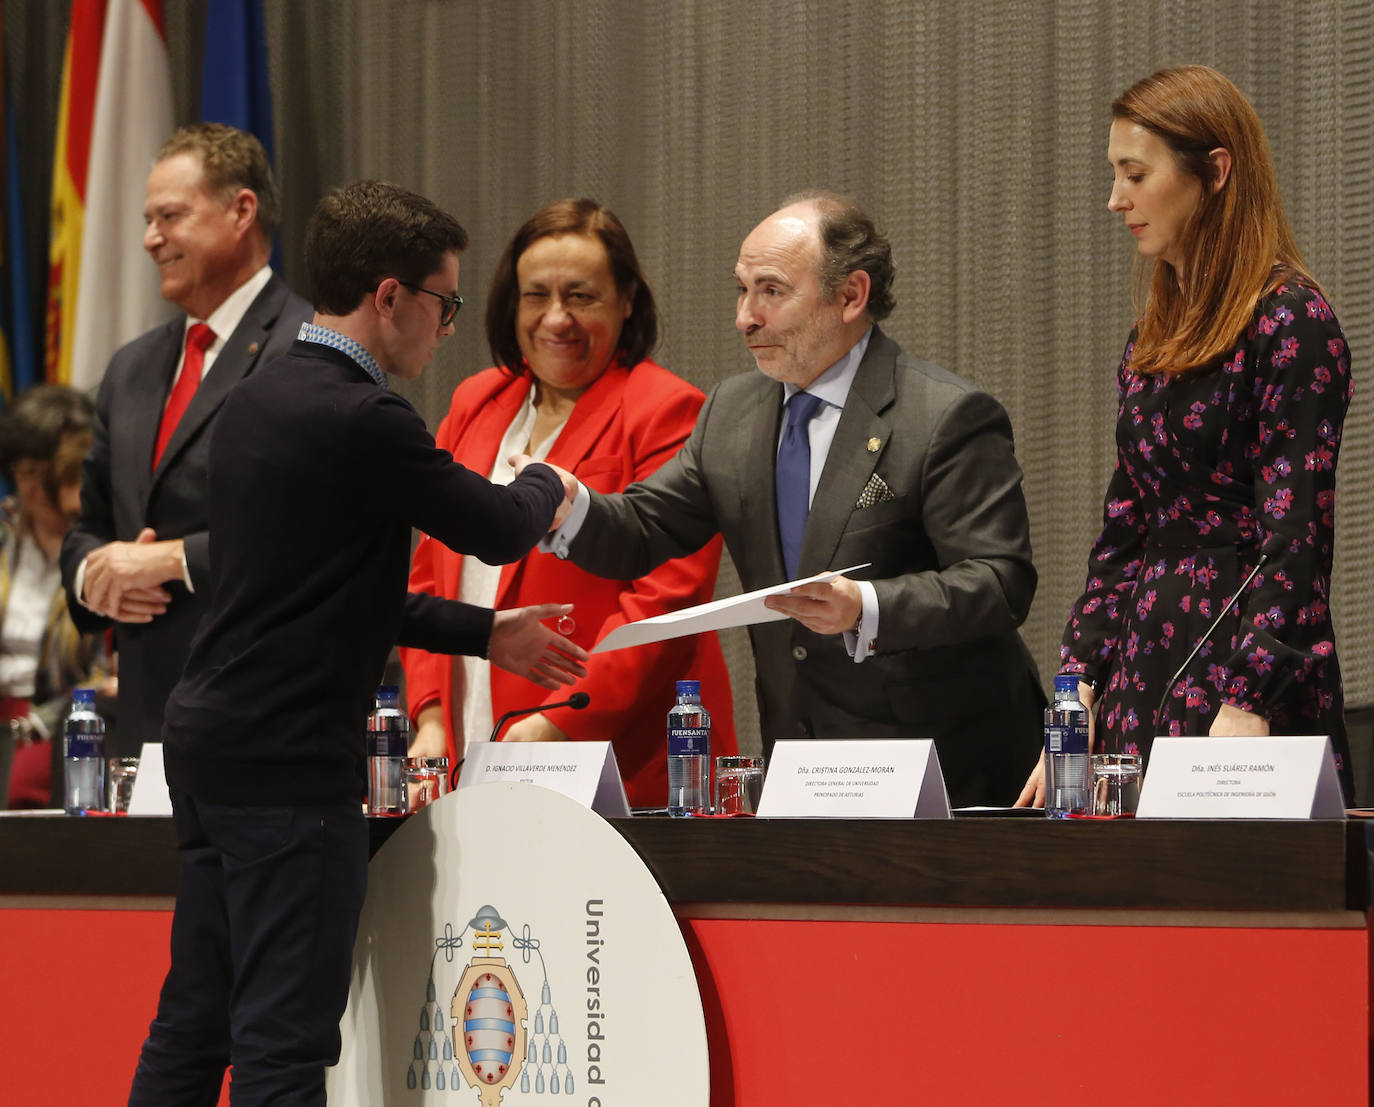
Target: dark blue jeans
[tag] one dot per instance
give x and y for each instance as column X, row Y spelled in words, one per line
column 262, row 949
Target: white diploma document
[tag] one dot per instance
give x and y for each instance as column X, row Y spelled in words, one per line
column 735, row 611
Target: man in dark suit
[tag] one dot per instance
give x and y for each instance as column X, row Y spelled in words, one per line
column 843, row 450
column 139, row 553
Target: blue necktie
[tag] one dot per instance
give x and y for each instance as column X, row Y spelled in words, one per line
column 794, row 478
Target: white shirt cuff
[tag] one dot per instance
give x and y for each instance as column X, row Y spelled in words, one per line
column 79, row 586
column 79, row 581
column 864, row 641
column 557, row 541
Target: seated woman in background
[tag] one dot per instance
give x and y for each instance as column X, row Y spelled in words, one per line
column 571, row 323
column 1233, row 391
column 43, row 438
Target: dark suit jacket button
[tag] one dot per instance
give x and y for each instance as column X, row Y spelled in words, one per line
column 798, row 653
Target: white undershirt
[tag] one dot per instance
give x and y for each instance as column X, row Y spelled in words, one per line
column 32, row 585
column 477, row 584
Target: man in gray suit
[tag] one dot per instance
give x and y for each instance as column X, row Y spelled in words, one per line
column 843, row 450
column 138, row 555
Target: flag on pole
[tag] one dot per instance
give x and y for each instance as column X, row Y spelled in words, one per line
column 118, row 295
column 80, row 64
column 116, row 110
column 18, row 356
column 235, row 88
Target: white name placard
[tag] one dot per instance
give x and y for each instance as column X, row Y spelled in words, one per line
column 150, row 795
column 855, row 778
column 584, row 771
column 1277, row 777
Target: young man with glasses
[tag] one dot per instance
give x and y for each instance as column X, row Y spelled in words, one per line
column 317, row 475
column 451, row 303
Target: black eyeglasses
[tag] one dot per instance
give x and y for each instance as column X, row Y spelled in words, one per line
column 451, row 303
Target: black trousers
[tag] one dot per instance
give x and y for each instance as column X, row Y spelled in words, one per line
column 262, row 948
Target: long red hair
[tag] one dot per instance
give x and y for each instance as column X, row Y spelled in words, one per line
column 1238, row 244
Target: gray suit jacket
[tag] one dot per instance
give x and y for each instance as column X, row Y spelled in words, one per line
column 949, row 542
column 121, row 494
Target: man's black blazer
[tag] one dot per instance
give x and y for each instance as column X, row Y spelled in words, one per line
column 121, row 493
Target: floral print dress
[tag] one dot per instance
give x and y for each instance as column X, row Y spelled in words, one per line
column 1214, row 467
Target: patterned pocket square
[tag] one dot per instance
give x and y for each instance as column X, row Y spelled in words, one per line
column 875, row 491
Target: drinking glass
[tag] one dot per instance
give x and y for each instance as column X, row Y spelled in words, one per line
column 426, row 781
column 739, row 784
column 121, row 772
column 1116, row 784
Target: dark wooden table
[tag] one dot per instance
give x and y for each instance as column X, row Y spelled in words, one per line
column 965, row 862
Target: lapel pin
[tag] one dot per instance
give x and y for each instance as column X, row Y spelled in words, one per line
column 252, row 348
column 873, row 444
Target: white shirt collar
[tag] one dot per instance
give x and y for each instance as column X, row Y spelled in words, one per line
column 225, row 319
column 832, row 386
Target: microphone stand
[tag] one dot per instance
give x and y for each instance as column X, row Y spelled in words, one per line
column 1206, row 637
column 577, row 701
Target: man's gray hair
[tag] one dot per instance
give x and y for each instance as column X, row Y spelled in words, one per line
column 850, row 241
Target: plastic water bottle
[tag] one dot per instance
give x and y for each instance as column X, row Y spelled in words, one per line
column 1068, row 766
column 689, row 753
column 388, row 736
column 83, row 755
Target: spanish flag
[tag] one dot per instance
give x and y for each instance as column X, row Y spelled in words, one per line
column 116, row 110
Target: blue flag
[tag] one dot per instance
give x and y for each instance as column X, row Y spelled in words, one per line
column 235, row 88
column 18, row 319
column 18, row 355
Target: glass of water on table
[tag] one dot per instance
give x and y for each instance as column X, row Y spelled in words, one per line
column 1116, row 785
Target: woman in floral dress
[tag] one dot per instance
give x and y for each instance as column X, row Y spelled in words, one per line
column 1233, row 390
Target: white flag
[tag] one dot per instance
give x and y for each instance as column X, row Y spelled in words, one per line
column 119, row 297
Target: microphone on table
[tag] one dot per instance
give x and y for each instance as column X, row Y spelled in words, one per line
column 1206, row 637
column 577, row 701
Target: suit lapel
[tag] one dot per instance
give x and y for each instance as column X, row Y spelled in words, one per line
column 234, row 362
column 152, row 381
column 590, row 417
column 859, row 442
column 758, row 446
column 488, row 424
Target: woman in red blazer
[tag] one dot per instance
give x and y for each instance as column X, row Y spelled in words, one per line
column 571, row 313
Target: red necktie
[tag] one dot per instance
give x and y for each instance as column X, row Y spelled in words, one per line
column 199, row 338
